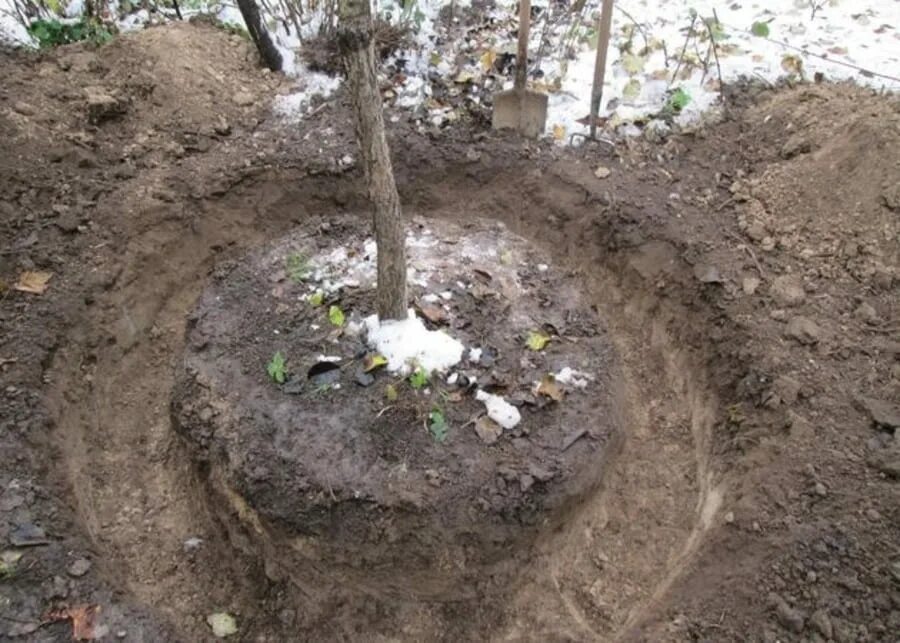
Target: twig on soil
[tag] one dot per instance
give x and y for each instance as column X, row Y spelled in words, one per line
column 384, row 410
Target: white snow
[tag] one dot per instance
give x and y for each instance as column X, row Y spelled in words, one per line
column 572, row 377
column 499, row 410
column 407, row 343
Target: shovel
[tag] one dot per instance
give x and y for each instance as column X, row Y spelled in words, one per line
column 518, row 108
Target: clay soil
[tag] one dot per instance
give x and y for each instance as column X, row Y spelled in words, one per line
column 746, row 273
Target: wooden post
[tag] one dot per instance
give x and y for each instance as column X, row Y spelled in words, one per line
column 604, row 27
column 260, row 36
column 355, row 39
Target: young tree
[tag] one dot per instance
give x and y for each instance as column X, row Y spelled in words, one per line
column 355, row 39
column 261, row 38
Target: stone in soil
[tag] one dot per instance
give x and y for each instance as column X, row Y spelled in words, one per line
column 349, row 471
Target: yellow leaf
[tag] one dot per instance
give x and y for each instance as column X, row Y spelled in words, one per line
column 537, row 340
column 390, row 392
column 373, row 361
column 559, row 132
column 792, row 64
column 487, row 60
column 33, row 282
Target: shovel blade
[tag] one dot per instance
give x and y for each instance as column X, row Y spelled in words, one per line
column 525, row 111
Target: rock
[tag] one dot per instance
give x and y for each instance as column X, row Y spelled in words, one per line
column 767, row 244
column 707, row 274
column 11, row 500
column 787, row 389
column 364, row 379
column 67, row 222
column 867, row 313
column 890, row 197
column 887, row 460
column 790, row 619
column 756, row 231
column 602, row 172
column 821, row 623
column 222, row 127
column 821, row 489
column 24, row 108
column 243, row 99
column 884, row 414
column 27, row 535
column 796, row 144
column 787, row 291
column 749, row 285
column 804, row 330
column 102, row 106
column 79, row 568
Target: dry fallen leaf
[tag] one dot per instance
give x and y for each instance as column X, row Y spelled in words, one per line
column 487, row 60
column 373, row 361
column 488, row 430
column 33, row 282
column 559, row 132
column 84, row 620
column 550, row 388
column 434, row 314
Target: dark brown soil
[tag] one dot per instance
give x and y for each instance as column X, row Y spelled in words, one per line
column 379, row 502
column 754, row 497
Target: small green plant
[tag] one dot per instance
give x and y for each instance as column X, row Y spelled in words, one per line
column 297, row 267
column 276, row 368
column 52, row 33
column 336, row 316
column 437, row 425
column 678, row 100
column 317, row 298
column 760, row 29
column 418, row 379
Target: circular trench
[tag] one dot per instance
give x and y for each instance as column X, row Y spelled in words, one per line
column 186, row 543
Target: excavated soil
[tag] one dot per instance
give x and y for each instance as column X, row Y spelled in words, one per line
column 747, row 274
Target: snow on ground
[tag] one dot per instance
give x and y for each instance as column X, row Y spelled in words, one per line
column 407, row 342
column 651, row 41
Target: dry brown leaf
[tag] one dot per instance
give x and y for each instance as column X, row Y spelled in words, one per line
column 550, row 388
column 488, row 430
column 434, row 314
column 33, row 282
column 84, row 620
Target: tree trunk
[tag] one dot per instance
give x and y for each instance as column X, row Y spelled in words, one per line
column 355, row 37
column 267, row 49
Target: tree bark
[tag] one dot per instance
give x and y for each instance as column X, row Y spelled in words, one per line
column 355, row 38
column 267, row 50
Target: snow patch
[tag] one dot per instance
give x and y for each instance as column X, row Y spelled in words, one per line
column 406, row 343
column 571, row 377
column 499, row 410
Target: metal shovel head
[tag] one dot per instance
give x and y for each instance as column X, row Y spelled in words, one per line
column 523, row 110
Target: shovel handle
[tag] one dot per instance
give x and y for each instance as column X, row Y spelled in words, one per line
column 522, row 55
column 604, row 25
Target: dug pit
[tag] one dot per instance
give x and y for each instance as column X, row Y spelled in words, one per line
column 419, row 459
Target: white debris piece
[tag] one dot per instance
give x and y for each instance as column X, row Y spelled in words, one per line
column 572, row 377
column 328, row 358
column 499, row 410
column 475, row 355
column 453, row 379
column 408, row 342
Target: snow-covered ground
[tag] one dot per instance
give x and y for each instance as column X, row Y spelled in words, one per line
column 658, row 47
